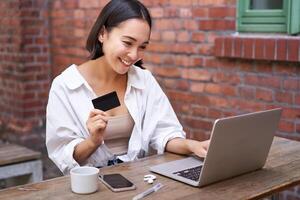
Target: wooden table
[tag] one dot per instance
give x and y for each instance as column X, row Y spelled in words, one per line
column 282, row 170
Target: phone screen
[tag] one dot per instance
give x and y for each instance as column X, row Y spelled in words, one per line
column 117, row 181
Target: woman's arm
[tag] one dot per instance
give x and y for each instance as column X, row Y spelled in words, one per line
column 187, row 146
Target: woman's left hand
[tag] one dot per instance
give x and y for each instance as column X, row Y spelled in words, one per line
column 198, row 147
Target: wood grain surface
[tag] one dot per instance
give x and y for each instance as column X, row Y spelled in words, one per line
column 281, row 171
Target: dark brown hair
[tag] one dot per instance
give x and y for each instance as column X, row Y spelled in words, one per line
column 113, row 13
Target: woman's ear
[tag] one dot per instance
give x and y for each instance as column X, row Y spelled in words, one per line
column 102, row 34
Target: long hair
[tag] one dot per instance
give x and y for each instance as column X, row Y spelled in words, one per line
column 114, row 13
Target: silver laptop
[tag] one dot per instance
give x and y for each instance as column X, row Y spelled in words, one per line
column 238, row 145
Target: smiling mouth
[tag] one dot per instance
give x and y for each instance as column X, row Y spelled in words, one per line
column 125, row 62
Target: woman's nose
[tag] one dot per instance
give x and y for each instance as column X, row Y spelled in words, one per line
column 133, row 54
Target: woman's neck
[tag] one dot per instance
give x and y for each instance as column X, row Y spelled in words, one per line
column 104, row 73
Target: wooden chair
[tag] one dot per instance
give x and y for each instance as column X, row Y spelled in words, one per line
column 17, row 161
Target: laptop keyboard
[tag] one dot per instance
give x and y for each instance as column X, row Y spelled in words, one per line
column 191, row 173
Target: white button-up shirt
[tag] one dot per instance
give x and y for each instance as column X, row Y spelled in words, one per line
column 69, row 106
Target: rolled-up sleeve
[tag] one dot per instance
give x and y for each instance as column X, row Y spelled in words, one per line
column 60, row 132
column 161, row 118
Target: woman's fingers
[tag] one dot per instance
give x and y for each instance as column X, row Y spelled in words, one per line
column 95, row 112
column 96, row 115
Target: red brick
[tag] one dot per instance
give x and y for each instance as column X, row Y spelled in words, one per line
column 211, row 62
column 247, row 66
column 185, row 12
column 170, row 12
column 271, row 81
column 67, row 4
column 155, row 36
column 218, row 102
column 198, row 37
column 221, row 12
column 214, row 113
column 264, row 67
column 198, row 123
column 281, row 50
column 214, row 2
column 284, row 97
column 180, row 2
column 220, row 89
column 157, row 12
column 228, row 47
column 219, row 47
column 291, row 84
column 247, row 92
column 230, row 78
column 180, row 96
column 190, row 25
column 286, row 126
column 291, row 113
column 247, row 105
column 195, row 74
column 79, row 14
column 259, row 49
column 168, row 35
column 285, row 69
column 182, row 61
column 199, row 111
column 175, row 84
column 197, row 62
column 293, row 46
column 167, row 24
column 248, row 46
column 264, row 94
column 217, row 25
column 206, row 49
column 186, row 48
column 167, row 72
column 183, row 36
column 197, row 87
column 158, row 47
column 237, row 49
column 211, row 37
column 270, row 49
column 89, row 4
column 200, row 12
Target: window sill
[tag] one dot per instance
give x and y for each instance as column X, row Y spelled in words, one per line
column 271, row 47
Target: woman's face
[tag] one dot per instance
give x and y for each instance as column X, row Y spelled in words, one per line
column 124, row 45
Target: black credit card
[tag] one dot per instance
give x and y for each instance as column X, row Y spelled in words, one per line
column 107, row 101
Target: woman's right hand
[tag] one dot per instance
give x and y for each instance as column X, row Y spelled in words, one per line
column 96, row 125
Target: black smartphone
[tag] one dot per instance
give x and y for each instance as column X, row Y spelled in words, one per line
column 116, row 182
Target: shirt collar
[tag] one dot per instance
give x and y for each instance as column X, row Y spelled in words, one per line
column 74, row 79
column 136, row 77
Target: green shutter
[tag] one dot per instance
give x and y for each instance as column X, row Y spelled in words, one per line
column 273, row 20
column 293, row 22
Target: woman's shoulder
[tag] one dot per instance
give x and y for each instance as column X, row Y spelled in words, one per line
column 141, row 78
column 67, row 77
column 142, row 73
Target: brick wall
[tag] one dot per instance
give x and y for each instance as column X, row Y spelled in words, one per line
column 24, row 67
column 182, row 55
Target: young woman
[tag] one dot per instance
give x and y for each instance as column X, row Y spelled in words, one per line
column 76, row 132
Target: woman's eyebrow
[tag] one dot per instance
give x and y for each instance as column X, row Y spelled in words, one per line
column 131, row 38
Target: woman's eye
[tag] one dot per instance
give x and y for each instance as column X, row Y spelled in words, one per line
column 143, row 47
column 127, row 43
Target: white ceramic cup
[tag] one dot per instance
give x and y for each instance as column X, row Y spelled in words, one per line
column 84, row 180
